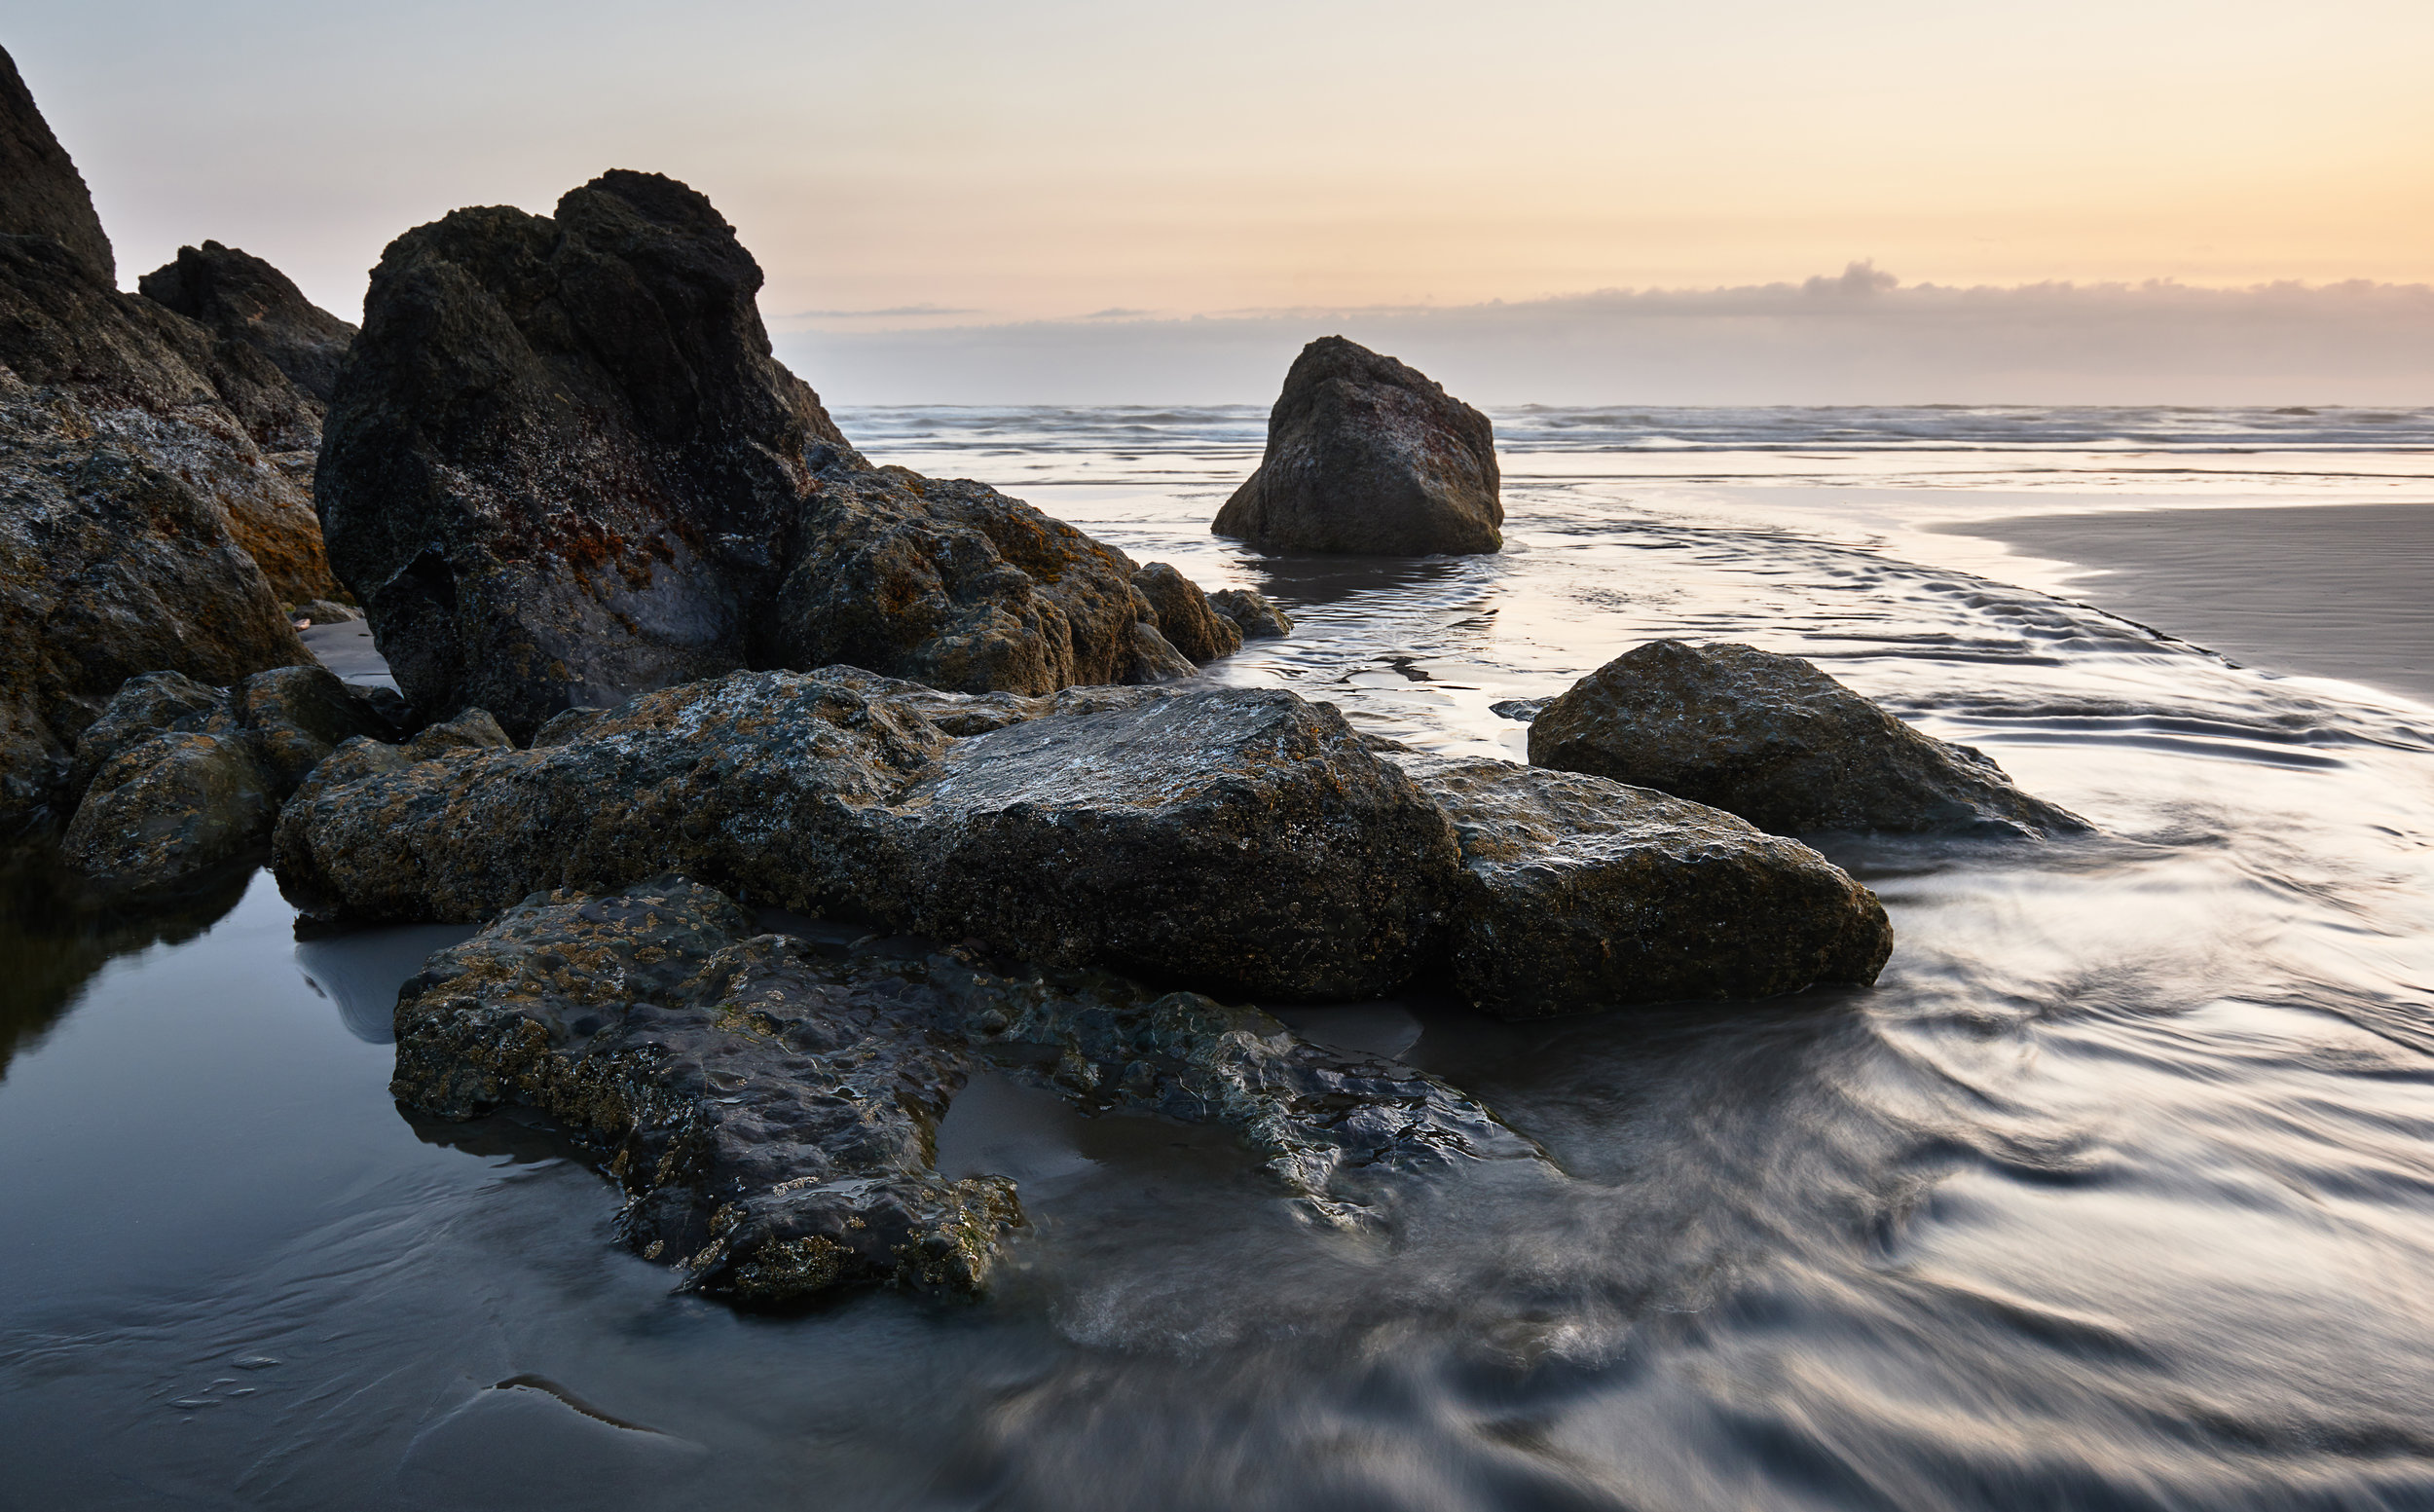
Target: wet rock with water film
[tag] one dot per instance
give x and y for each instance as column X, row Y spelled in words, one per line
column 771, row 1106
column 1367, row 456
column 1773, row 739
column 1579, row 892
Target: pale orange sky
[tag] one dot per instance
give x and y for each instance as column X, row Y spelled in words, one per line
column 998, row 162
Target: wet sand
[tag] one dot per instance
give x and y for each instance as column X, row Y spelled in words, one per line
column 2335, row 591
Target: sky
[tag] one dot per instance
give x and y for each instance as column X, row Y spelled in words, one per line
column 1076, row 200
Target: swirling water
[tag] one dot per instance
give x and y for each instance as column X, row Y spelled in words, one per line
column 2115, row 1192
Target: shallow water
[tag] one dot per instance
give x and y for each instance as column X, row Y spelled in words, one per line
column 2116, row 1191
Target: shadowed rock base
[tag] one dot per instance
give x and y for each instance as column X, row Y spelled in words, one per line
column 770, row 1107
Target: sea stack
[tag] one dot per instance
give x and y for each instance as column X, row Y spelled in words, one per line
column 1369, row 457
column 564, row 467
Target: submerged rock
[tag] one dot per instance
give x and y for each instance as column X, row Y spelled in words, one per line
column 1236, row 838
column 1367, row 456
column 564, row 467
column 771, row 1106
column 1252, row 613
column 1773, row 739
column 1582, row 892
column 240, row 298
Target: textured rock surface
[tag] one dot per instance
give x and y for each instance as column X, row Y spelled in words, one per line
column 1240, row 837
column 1245, row 840
column 1771, row 738
column 240, row 298
column 1368, row 455
column 41, row 193
column 296, row 715
column 156, row 703
column 1252, row 613
column 1185, row 617
column 771, row 1106
column 563, row 468
column 111, row 566
column 150, row 514
column 169, row 813
column 1579, row 892
column 953, row 584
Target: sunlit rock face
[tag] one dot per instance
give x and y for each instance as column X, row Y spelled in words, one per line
column 771, row 1106
column 563, row 468
column 1773, row 739
column 1370, row 456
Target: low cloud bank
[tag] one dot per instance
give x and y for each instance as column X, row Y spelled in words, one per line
column 1859, row 338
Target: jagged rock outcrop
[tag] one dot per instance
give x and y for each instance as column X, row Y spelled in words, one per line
column 1773, row 739
column 41, row 193
column 150, row 513
column 1580, row 893
column 769, row 1106
column 180, row 781
column 1369, row 457
column 563, row 468
column 1240, row 839
column 240, row 298
column 1252, row 613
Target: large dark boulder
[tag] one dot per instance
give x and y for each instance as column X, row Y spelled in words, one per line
column 1773, row 739
column 1239, row 838
column 1367, row 456
column 563, row 468
column 240, row 298
column 1579, row 892
column 771, row 1106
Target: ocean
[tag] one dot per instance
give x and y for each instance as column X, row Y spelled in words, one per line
column 2116, row 1190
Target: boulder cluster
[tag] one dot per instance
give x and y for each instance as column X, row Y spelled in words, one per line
column 669, row 651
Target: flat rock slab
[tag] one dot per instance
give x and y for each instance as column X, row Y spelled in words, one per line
column 1580, row 893
column 771, row 1106
column 1773, row 739
column 1238, row 838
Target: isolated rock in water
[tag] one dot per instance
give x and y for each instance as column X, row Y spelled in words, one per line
column 1185, row 617
column 240, row 298
column 1579, row 892
column 1367, row 456
column 41, row 193
column 1773, row 739
column 953, row 584
column 111, row 566
column 1252, row 613
column 1239, row 837
column 563, row 468
column 771, row 1106
column 169, row 813
column 1242, row 839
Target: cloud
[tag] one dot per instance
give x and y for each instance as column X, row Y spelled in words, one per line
column 891, row 312
column 1116, row 312
column 1862, row 337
